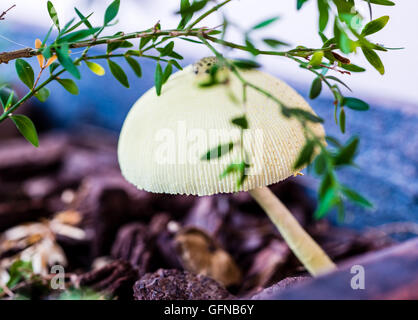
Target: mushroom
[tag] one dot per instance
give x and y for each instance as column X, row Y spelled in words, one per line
column 163, row 138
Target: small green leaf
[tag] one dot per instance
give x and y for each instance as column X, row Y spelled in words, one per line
column 265, row 23
column 66, row 62
column 274, row 43
column 167, row 50
column 339, row 81
column 53, row 14
column 26, row 128
column 9, row 101
column 303, row 115
column 355, row 104
column 246, row 64
column 95, row 68
column 143, row 42
column 25, row 72
column 241, row 122
column 325, row 204
column 316, row 58
column 77, row 35
column 352, row 68
column 300, row 3
column 167, row 72
column 7, row 96
column 323, row 8
column 218, row 151
column 375, row 26
column 158, row 78
column 373, row 59
column 42, row 94
column 69, row 85
column 83, row 18
column 382, row 2
column 305, row 156
column 136, row 67
column 316, row 88
column 111, row 12
column 346, row 154
column 320, row 164
column 250, row 46
column 356, row 197
column 118, row 73
column 118, row 44
column 185, row 16
column 342, row 120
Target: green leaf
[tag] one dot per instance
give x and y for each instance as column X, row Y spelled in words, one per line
column 236, row 168
column 167, row 72
column 304, row 115
column 26, row 128
column 119, row 44
column 80, row 22
column 246, row 64
column 118, row 73
column 320, row 164
column 83, row 18
column 300, row 3
column 241, row 122
column 136, row 67
column 375, row 26
column 42, row 94
column 333, row 141
column 346, row 154
column 218, row 151
column 18, row 271
column 194, row 7
column 265, row 23
column 339, row 81
column 143, row 42
column 53, row 67
column 356, row 197
column 250, row 46
column 352, row 68
column 176, row 64
column 316, row 88
column 66, row 62
column 305, row 156
column 7, row 97
column 167, row 50
column 53, row 14
column 69, row 85
column 185, row 16
column 274, row 43
column 95, row 68
column 323, row 8
column 25, row 72
column 382, row 2
column 77, row 35
column 355, row 104
column 158, row 78
column 325, row 204
column 316, row 58
column 111, row 12
column 342, row 120
column 373, row 59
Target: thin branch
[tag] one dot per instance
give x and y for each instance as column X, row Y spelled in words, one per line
column 4, row 12
column 207, row 13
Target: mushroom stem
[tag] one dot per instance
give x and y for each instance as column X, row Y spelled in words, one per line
column 300, row 242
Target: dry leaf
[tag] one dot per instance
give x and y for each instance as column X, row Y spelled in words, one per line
column 199, row 254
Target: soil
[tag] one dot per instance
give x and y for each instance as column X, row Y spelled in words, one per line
column 131, row 244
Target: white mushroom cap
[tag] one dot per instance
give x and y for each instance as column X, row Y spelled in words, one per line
column 164, row 137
